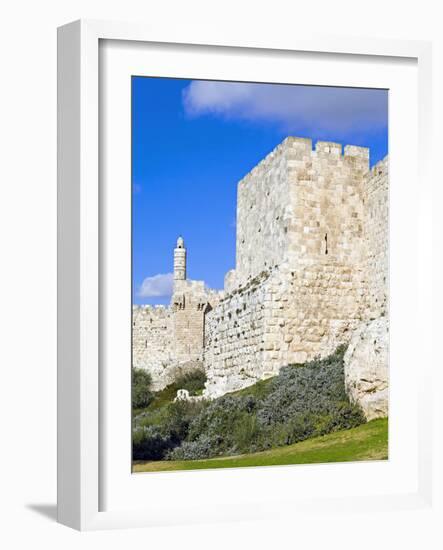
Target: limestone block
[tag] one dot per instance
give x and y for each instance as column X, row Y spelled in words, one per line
column 299, row 357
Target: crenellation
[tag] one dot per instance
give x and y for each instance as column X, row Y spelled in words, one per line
column 323, row 148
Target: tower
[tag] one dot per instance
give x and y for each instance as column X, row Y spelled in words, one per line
column 180, row 260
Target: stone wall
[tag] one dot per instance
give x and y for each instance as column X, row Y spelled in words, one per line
column 152, row 342
column 376, row 232
column 299, row 288
column 167, row 341
column 296, row 204
column 280, row 317
column 367, row 357
column 265, row 207
column 234, row 335
column 190, row 302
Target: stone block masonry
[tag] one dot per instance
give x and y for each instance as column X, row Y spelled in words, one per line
column 298, row 204
column 281, row 317
column 376, row 234
column 152, row 341
column 191, row 301
column 311, row 269
column 310, row 262
column 167, row 341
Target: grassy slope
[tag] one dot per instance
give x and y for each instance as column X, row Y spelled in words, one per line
column 366, row 442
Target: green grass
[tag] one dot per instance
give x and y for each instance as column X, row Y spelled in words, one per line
column 366, row 442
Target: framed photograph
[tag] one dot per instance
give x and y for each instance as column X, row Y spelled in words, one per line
column 241, row 261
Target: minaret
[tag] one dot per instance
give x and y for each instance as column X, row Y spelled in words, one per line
column 180, row 261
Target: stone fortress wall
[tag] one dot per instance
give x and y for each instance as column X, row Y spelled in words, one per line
column 302, row 252
column 295, row 197
column 311, row 268
column 152, row 341
column 376, row 224
column 191, row 302
column 169, row 340
column 367, row 356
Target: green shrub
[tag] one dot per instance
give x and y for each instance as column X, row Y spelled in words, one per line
column 192, row 450
column 302, row 401
column 149, row 443
column 317, row 388
column 246, row 431
column 218, row 429
column 142, row 395
column 156, row 432
column 178, row 415
column 193, row 381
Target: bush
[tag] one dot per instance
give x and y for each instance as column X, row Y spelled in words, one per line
column 302, row 401
column 148, row 443
column 142, row 395
column 178, row 415
column 317, row 388
column 224, row 426
column 156, row 432
column 193, row 381
column 192, row 450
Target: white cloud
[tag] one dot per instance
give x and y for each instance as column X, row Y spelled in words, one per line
column 156, row 286
column 312, row 108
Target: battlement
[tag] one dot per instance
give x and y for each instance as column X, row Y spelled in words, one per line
column 355, row 151
column 301, row 149
column 291, row 206
column 328, row 148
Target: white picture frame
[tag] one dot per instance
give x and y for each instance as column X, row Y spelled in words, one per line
column 80, row 411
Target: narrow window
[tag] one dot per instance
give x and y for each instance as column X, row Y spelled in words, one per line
column 326, row 243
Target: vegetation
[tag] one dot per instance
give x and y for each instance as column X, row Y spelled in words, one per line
column 303, row 401
column 157, row 432
column 366, row 442
column 142, row 395
column 193, row 381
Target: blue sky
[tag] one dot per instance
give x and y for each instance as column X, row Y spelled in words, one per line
column 192, row 141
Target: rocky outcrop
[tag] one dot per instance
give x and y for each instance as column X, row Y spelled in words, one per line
column 366, row 368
